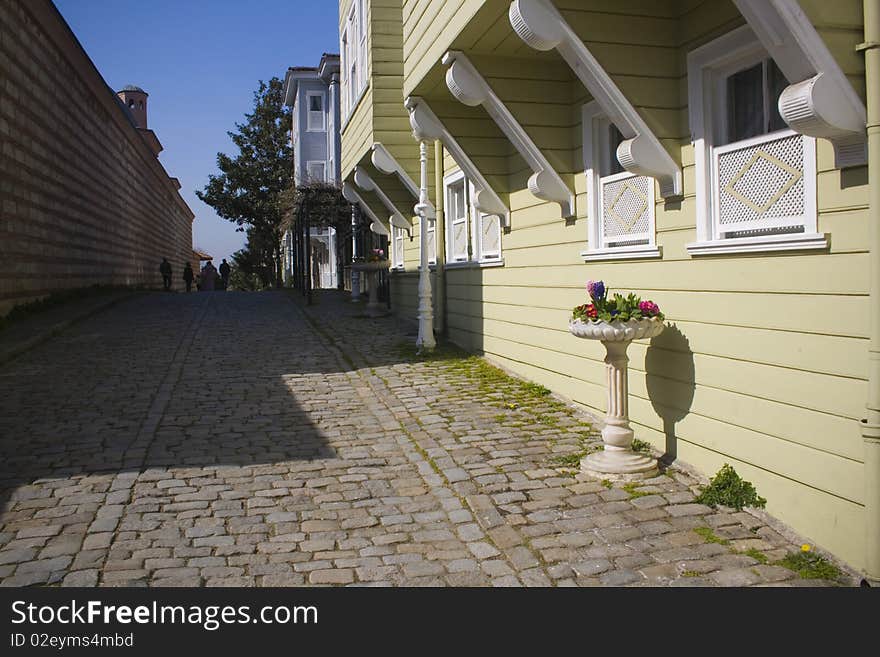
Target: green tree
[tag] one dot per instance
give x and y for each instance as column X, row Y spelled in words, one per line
column 248, row 190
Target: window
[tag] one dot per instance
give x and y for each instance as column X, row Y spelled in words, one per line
column 354, row 56
column 315, row 100
column 397, row 247
column 432, row 242
column 471, row 236
column 315, row 171
column 620, row 204
column 457, row 221
column 755, row 178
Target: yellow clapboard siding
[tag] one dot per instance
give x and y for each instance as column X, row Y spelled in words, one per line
column 830, row 274
column 830, row 394
column 839, row 356
column 830, row 522
column 773, row 381
column 836, row 475
column 784, row 312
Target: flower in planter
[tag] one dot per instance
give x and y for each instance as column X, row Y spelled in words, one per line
column 587, row 311
column 376, row 255
column 617, row 308
column 649, row 309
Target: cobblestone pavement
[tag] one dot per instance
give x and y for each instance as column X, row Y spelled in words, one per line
column 239, row 440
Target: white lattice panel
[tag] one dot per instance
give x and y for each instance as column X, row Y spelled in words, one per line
column 627, row 206
column 432, row 246
column 760, row 185
column 490, row 236
column 459, row 240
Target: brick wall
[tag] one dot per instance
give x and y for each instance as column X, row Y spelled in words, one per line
column 83, row 199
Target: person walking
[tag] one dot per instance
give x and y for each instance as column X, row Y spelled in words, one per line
column 209, row 273
column 188, row 276
column 165, row 270
column 224, row 273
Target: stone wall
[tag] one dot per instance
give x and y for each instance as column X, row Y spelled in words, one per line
column 84, row 200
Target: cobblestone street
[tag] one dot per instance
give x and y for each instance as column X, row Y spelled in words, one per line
column 242, row 439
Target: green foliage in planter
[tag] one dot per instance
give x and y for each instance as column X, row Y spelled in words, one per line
column 729, row 489
column 617, row 308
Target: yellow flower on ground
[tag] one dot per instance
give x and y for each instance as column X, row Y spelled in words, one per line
column 806, row 547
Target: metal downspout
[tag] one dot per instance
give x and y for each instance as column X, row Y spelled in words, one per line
column 871, row 425
column 439, row 240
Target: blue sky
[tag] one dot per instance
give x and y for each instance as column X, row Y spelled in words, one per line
column 200, row 61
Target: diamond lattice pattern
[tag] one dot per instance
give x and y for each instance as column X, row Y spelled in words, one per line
column 761, row 182
column 626, row 207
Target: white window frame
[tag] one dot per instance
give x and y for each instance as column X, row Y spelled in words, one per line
column 708, row 69
column 311, row 125
column 353, row 49
column 474, row 223
column 344, row 55
column 432, row 241
column 595, row 127
column 362, row 45
column 398, row 247
column 310, row 177
column 449, row 181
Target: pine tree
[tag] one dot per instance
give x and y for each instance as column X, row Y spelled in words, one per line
column 249, row 188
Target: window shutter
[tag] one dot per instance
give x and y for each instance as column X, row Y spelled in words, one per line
column 458, row 225
column 490, row 237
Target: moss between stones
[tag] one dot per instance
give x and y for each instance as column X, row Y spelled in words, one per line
column 709, row 536
column 809, row 565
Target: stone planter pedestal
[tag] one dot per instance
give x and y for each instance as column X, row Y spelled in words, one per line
column 371, row 269
column 617, row 458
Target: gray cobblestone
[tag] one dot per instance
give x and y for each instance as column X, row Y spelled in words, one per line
column 312, row 469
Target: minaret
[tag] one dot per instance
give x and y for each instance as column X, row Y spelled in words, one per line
column 135, row 99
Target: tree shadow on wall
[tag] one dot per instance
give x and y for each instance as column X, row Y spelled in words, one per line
column 669, row 365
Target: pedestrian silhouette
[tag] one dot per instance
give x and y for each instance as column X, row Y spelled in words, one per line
column 209, row 273
column 188, row 276
column 165, row 270
column 224, row 273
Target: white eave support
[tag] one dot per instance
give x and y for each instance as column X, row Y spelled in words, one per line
column 541, row 26
column 386, row 163
column 821, row 102
column 351, row 195
column 470, row 88
column 426, row 127
column 363, row 180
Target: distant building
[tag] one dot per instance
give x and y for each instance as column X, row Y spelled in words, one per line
column 313, row 95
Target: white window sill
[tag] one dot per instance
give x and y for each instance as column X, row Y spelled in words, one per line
column 640, row 252
column 475, row 264
column 793, row 242
column 353, row 108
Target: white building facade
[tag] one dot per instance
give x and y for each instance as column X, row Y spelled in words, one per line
column 313, row 94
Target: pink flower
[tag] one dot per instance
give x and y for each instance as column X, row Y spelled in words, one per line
column 649, row 309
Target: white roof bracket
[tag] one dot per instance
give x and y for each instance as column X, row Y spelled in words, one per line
column 541, row 26
column 363, row 180
column 821, row 102
column 470, row 88
column 386, row 163
column 427, row 126
column 351, row 195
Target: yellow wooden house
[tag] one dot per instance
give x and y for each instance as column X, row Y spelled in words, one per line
column 710, row 155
